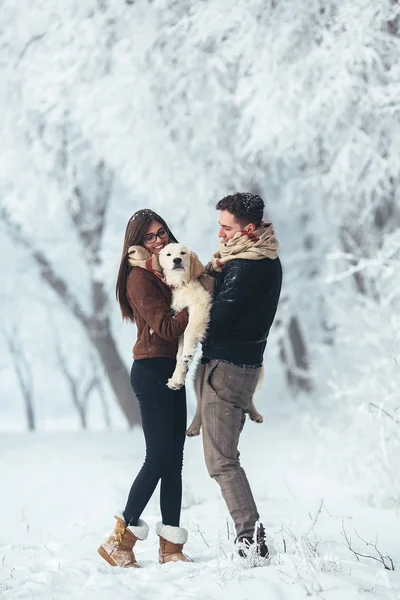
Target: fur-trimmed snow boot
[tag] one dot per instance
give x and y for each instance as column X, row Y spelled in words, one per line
column 172, row 540
column 117, row 550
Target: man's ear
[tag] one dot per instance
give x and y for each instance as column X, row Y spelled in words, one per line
column 196, row 268
column 250, row 228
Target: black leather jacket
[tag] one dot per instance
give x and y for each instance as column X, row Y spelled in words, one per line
column 245, row 302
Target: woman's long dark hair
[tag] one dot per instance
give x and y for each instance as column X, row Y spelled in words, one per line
column 136, row 229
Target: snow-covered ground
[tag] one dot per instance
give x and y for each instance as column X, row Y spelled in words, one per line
column 59, row 492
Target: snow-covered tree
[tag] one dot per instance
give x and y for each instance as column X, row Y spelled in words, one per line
column 185, row 102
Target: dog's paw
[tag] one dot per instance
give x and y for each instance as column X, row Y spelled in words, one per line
column 187, row 359
column 193, row 429
column 256, row 417
column 174, row 384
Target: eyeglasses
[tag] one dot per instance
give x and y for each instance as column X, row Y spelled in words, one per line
column 162, row 233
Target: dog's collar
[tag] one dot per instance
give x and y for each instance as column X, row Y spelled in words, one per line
column 157, row 274
column 161, row 278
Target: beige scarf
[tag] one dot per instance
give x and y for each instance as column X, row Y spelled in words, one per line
column 262, row 243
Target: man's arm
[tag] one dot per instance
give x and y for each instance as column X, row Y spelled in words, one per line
column 236, row 291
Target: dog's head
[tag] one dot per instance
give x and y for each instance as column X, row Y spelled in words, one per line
column 179, row 264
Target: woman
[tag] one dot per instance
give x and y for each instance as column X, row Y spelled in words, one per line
column 145, row 300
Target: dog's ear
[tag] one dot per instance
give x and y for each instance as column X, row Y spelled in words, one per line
column 208, row 283
column 138, row 253
column 196, row 268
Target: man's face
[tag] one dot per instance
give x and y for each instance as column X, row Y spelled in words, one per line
column 228, row 226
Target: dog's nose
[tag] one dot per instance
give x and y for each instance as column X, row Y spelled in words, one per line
column 177, row 261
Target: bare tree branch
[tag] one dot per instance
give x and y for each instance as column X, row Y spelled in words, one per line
column 315, row 520
column 89, row 216
column 24, row 374
column 385, row 412
column 97, row 325
column 33, row 40
column 295, row 357
column 77, row 398
column 386, row 561
column 106, row 410
column 47, row 272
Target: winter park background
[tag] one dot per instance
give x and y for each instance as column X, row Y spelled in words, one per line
column 110, row 106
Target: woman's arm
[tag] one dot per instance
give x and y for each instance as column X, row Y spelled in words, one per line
column 147, row 299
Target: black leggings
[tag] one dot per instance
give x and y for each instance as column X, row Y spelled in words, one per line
column 164, row 426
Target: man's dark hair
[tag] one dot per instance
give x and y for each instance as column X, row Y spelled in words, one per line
column 246, row 208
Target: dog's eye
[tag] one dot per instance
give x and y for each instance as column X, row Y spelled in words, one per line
column 169, row 254
column 183, row 253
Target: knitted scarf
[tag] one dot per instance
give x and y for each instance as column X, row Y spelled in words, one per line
column 262, row 243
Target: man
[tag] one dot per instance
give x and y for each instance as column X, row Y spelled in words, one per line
column 248, row 283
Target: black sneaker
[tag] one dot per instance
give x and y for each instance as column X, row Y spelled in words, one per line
column 247, row 544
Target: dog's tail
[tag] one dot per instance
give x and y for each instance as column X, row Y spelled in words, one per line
column 260, row 379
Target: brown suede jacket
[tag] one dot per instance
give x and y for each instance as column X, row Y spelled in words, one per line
column 158, row 327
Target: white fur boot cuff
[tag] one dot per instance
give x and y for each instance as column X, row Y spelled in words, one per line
column 141, row 530
column 175, row 535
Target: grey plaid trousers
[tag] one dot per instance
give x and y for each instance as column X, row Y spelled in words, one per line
column 225, row 392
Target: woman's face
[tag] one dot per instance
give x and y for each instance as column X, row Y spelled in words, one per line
column 156, row 238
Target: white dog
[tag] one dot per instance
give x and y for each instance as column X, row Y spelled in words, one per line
column 182, row 269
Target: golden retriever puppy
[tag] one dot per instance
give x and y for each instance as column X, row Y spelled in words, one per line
column 181, row 270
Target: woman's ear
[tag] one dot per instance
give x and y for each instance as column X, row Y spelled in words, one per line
column 196, row 268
